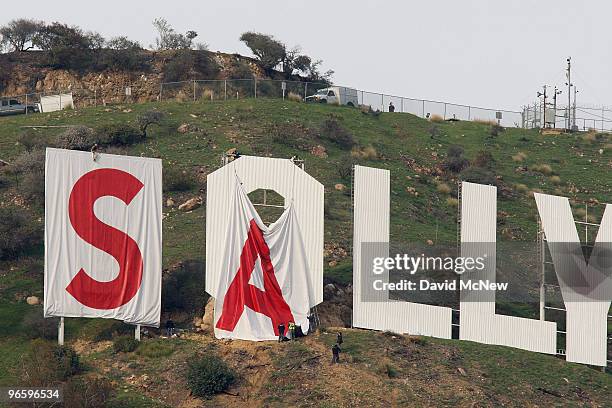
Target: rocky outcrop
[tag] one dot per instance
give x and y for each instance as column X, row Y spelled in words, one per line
column 25, row 73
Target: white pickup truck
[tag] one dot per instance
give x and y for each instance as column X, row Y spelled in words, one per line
column 338, row 95
column 13, row 106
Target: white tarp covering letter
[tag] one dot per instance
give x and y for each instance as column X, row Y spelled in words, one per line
column 103, row 236
column 265, row 275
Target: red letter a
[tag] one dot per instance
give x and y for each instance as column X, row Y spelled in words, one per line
column 240, row 293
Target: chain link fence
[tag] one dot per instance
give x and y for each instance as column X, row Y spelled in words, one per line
column 581, row 118
column 219, row 90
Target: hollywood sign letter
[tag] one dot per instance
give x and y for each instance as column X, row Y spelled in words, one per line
column 587, row 304
column 261, row 275
column 102, row 236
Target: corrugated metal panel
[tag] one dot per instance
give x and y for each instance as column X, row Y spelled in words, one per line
column 478, row 319
column 371, row 224
column 288, row 180
column 586, row 315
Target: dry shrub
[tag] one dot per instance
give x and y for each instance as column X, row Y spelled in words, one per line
column 367, row 153
column 208, row 94
column 535, row 190
column 519, row 157
column 76, row 138
column 521, row 188
column 182, row 97
column 47, row 364
column 452, row 202
column 542, row 168
column 148, row 118
column 580, row 213
column 18, row 233
column 443, row 188
column 436, row 118
column 487, row 122
column 589, row 137
column 555, row 180
column 332, row 131
column 293, row 135
column 484, row 159
column 294, row 97
column 344, row 167
column 88, row 392
column 28, row 162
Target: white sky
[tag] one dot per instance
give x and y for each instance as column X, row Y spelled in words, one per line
column 481, row 52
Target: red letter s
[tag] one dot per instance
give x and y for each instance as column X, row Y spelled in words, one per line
column 90, row 187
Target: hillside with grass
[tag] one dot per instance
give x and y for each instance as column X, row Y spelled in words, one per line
column 427, row 160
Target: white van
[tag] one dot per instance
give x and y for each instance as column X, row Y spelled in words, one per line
column 338, row 95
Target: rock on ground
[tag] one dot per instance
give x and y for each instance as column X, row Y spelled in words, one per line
column 191, row 204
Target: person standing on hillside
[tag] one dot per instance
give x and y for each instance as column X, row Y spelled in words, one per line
column 391, row 107
column 311, row 323
column 292, row 330
column 169, row 327
column 281, row 332
column 335, row 354
column 339, row 338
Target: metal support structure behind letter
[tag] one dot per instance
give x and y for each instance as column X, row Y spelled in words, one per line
column 60, row 332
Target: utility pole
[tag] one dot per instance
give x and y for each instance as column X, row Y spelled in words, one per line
column 569, row 91
column 557, row 92
column 543, row 94
column 574, row 109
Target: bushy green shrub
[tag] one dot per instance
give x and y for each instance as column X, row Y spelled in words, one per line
column 123, row 60
column 455, row 162
column 332, row 131
column 177, row 180
column 184, row 64
column 118, row 134
column 67, row 361
column 240, row 70
column 205, row 65
column 18, row 234
column 479, row 175
column 208, row 375
column 496, row 130
column 125, row 344
column 178, row 68
column 34, row 325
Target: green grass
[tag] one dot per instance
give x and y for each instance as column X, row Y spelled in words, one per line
column 12, row 350
column 156, row 348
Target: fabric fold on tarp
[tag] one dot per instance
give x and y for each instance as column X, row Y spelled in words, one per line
column 266, row 276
